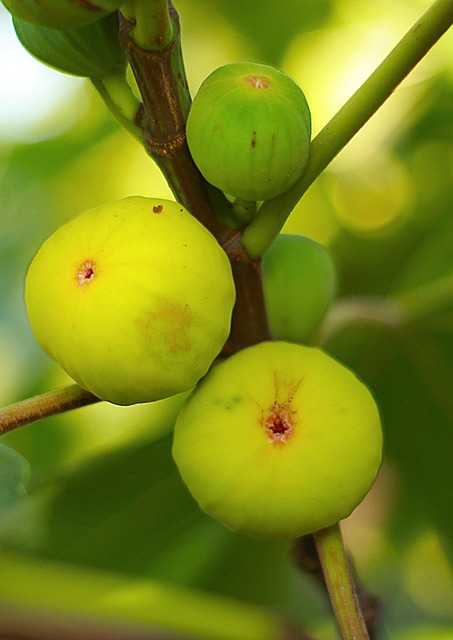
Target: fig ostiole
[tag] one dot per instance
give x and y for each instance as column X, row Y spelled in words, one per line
column 249, row 131
column 299, row 283
column 133, row 299
column 280, row 440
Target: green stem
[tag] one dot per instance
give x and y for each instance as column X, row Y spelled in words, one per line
column 153, row 29
column 273, row 214
column 80, row 595
column 394, row 311
column 427, row 300
column 339, row 582
column 121, row 102
column 43, row 406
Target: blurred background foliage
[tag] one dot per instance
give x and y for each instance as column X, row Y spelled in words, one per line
column 102, row 489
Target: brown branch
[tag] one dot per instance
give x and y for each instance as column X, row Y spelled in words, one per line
column 43, row 406
column 162, row 82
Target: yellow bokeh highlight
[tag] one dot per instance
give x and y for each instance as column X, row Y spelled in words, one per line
column 374, row 199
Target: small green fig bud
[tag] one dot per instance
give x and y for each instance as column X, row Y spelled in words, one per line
column 249, row 131
column 299, row 283
column 280, row 440
column 133, row 299
column 61, row 14
column 91, row 51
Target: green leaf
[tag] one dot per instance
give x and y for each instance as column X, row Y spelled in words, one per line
column 14, row 474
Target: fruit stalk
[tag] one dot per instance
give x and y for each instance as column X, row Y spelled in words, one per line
column 340, row 584
column 162, row 82
column 260, row 234
column 249, row 322
column 153, row 28
column 43, row 406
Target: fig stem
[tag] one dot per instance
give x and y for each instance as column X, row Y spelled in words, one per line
column 259, row 235
column 43, row 406
column 340, row 584
column 153, row 28
column 162, row 82
column 121, row 102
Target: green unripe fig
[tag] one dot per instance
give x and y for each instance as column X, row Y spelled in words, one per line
column 133, row 299
column 280, row 440
column 249, row 131
column 61, row 14
column 299, row 283
column 91, row 51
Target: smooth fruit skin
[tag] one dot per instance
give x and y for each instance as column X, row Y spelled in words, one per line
column 249, row 131
column 280, row 440
column 61, row 14
column 91, row 51
column 299, row 283
column 133, row 299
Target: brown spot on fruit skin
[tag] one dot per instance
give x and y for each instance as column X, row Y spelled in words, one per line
column 258, row 82
column 158, row 208
column 254, row 139
column 88, row 6
column 170, row 322
column 279, row 420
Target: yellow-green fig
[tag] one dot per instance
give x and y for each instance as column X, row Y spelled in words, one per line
column 299, row 282
column 280, row 440
column 249, row 131
column 133, row 299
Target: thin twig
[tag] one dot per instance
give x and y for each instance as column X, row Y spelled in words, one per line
column 340, row 584
column 43, row 406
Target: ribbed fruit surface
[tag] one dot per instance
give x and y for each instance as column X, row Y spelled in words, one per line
column 280, row 440
column 249, row 131
column 133, row 299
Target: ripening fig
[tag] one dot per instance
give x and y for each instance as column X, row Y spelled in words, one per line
column 280, row 440
column 299, row 283
column 133, row 299
column 61, row 14
column 249, row 131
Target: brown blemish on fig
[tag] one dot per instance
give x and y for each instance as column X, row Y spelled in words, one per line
column 170, row 321
column 254, row 139
column 158, row 209
column 86, row 272
column 279, row 420
column 258, row 82
column 88, row 6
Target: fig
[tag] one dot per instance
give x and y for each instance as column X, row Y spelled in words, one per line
column 61, row 14
column 133, row 299
column 280, row 440
column 91, row 51
column 249, row 131
column 299, row 282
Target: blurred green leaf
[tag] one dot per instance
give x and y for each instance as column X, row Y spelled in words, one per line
column 14, row 475
column 271, row 26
